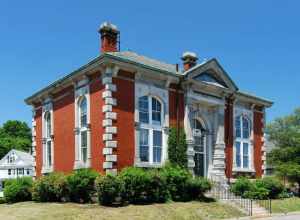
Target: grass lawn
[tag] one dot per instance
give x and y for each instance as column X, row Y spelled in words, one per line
column 68, row 211
column 286, row 205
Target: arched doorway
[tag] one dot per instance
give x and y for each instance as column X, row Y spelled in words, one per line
column 199, row 135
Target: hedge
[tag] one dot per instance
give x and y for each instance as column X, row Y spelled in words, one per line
column 81, row 184
column 51, row 188
column 18, row 190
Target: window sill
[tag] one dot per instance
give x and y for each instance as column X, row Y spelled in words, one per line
column 47, row 170
column 242, row 170
column 148, row 165
column 81, row 165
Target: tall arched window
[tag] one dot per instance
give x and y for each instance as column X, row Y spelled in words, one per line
column 150, row 136
column 242, row 142
column 82, row 113
column 48, row 139
column 199, row 135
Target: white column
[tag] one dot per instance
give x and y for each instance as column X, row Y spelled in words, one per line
column 189, row 138
column 218, row 172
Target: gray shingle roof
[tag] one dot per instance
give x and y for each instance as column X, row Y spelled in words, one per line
column 134, row 57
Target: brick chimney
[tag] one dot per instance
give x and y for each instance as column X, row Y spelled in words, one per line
column 109, row 37
column 189, row 60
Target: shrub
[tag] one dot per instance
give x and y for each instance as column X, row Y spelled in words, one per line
column 196, row 187
column 51, row 188
column 82, row 185
column 137, row 185
column 157, row 189
column 257, row 192
column 177, row 147
column 18, row 190
column 176, row 180
column 241, row 186
column 272, row 185
column 110, row 190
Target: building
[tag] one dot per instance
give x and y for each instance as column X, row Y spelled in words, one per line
column 116, row 111
column 16, row 164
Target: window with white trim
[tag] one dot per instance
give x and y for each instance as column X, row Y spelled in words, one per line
column 83, row 127
column 48, row 139
column 151, row 132
column 242, row 142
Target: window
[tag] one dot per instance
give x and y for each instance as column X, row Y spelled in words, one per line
column 28, row 171
column 20, row 171
column 150, row 135
column 242, row 142
column 9, row 172
column 48, row 139
column 83, row 127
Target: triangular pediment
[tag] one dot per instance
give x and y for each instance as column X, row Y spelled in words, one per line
column 211, row 73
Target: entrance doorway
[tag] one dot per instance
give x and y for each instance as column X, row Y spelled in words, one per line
column 199, row 134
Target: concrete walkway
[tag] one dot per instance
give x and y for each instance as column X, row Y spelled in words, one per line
column 290, row 216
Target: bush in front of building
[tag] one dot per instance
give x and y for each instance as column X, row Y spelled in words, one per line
column 144, row 186
column 241, row 186
column 51, row 188
column 81, row 185
column 177, row 147
column 176, row 182
column 265, row 188
column 110, row 190
column 196, row 187
column 18, row 190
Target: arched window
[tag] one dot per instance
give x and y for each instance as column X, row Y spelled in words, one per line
column 48, row 139
column 82, row 116
column 150, row 136
column 242, row 142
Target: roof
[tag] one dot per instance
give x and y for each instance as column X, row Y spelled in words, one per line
column 138, row 60
column 23, row 159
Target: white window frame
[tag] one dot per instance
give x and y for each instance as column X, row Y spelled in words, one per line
column 82, row 90
column 248, row 114
column 47, row 138
column 162, row 95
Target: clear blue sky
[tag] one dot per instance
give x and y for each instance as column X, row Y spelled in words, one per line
column 257, row 42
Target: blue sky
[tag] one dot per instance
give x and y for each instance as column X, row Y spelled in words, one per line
column 257, row 42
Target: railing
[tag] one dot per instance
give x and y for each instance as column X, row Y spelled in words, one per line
column 221, row 191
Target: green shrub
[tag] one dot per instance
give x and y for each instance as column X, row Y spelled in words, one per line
column 51, row 188
column 110, row 190
column 177, row 147
column 157, row 190
column 272, row 185
column 82, row 185
column 176, row 179
column 137, row 185
column 241, row 186
column 257, row 192
column 196, row 187
column 18, row 190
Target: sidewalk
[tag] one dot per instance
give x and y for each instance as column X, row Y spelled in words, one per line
column 275, row 216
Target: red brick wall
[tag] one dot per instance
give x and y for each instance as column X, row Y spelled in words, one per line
column 125, row 122
column 176, row 107
column 38, row 138
column 228, row 127
column 258, row 142
column 96, row 103
column 64, row 124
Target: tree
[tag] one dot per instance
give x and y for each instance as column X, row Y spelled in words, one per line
column 285, row 133
column 177, row 147
column 14, row 135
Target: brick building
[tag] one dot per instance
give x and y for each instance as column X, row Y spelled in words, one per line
column 116, row 111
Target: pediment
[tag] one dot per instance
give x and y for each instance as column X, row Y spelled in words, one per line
column 211, row 73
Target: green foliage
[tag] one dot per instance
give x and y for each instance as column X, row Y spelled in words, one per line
column 196, row 187
column 82, row 185
column 177, row 179
column 18, row 190
column 241, row 186
column 110, row 190
column 273, row 186
column 177, row 147
column 51, row 188
column 265, row 188
column 14, row 134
